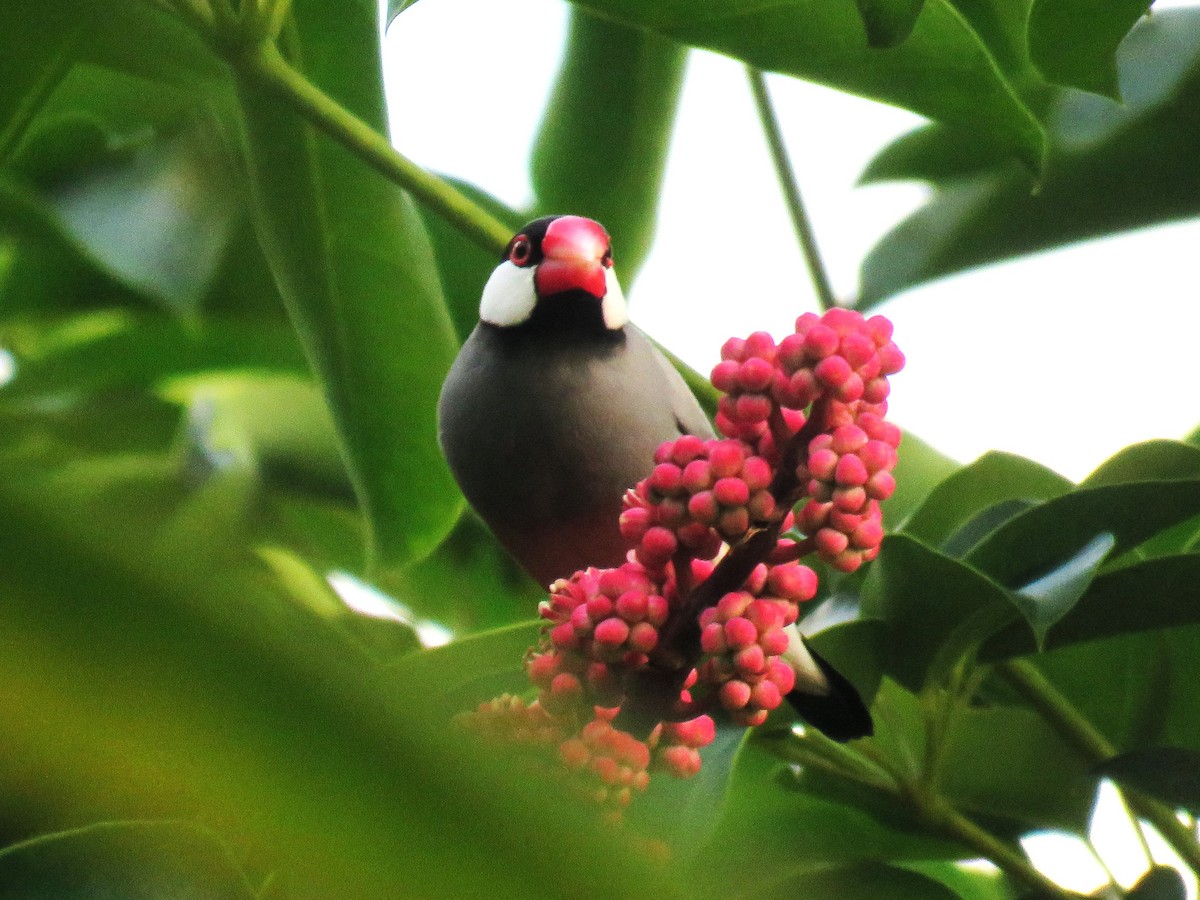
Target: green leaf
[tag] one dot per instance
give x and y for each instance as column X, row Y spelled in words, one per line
column 131, row 860
column 993, row 478
column 1148, row 461
column 158, row 219
column 1160, row 883
column 1007, row 763
column 946, row 69
column 865, row 879
column 37, row 44
column 968, row 882
column 1074, row 42
column 1110, row 168
column 766, row 809
column 602, row 145
column 889, row 22
column 136, row 684
column 1169, row 774
column 1144, row 596
column 935, row 608
column 470, row 669
column 919, row 467
column 357, row 273
column 1029, row 544
column 1047, row 599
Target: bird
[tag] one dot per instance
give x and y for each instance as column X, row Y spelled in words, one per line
column 554, row 407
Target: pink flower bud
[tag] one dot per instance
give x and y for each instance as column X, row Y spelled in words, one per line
column 740, row 632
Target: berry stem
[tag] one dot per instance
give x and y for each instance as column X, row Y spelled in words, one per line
column 1076, row 730
column 791, row 189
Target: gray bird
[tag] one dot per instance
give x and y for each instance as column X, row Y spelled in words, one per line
column 555, row 406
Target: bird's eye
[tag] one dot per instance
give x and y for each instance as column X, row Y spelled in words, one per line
column 606, row 259
column 521, row 251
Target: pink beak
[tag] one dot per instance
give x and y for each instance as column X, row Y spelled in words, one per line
column 574, row 251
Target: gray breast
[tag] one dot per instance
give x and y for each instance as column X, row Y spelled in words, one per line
column 539, row 434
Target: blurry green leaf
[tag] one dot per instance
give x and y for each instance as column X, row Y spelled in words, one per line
column 1169, row 774
column 1007, row 763
column 1160, row 883
column 765, row 810
column 993, row 478
column 470, row 669
column 143, row 352
column 277, row 425
column 462, row 263
column 918, row 468
column 683, row 812
column 159, row 219
column 130, row 860
column 469, row 583
column 946, row 69
column 1074, row 42
column 306, row 586
column 1158, row 593
column 1030, row 543
column 1110, row 168
column 602, row 145
column 935, row 608
column 357, row 273
column 136, row 684
column 148, row 41
column 864, row 879
column 1047, row 599
column 37, row 44
column 967, row 881
column 889, row 22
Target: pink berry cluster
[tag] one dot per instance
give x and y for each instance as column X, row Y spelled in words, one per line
column 835, row 365
column 700, row 495
column 743, row 639
column 804, row 426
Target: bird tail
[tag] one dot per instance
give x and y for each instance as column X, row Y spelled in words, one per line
column 823, row 696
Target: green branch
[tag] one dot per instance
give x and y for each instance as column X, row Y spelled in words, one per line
column 865, row 765
column 1079, row 733
column 271, row 72
column 791, row 189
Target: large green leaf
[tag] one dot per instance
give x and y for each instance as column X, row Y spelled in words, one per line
column 356, row 270
column 935, row 608
column 131, row 860
column 1074, row 42
column 993, row 478
column 767, row 809
column 602, row 145
column 1110, row 168
column 953, row 67
column 1158, row 593
column 919, row 468
column 37, row 45
column 1170, row 774
column 864, row 879
column 889, row 22
column 1032, row 542
column 137, row 686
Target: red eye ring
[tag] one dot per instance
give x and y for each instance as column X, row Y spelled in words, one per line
column 521, row 251
column 606, row 259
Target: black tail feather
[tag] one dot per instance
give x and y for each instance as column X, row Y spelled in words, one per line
column 840, row 712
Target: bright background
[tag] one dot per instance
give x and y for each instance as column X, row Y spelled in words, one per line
column 1063, row 357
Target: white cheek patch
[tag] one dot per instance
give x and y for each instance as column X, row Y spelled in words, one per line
column 509, row 296
column 613, row 305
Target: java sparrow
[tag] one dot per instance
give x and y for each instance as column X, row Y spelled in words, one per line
column 555, row 406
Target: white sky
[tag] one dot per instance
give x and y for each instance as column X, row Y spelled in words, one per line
column 1064, row 357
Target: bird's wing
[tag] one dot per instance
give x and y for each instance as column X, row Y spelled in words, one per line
column 690, row 418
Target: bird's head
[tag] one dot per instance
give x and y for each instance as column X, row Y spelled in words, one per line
column 556, row 274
